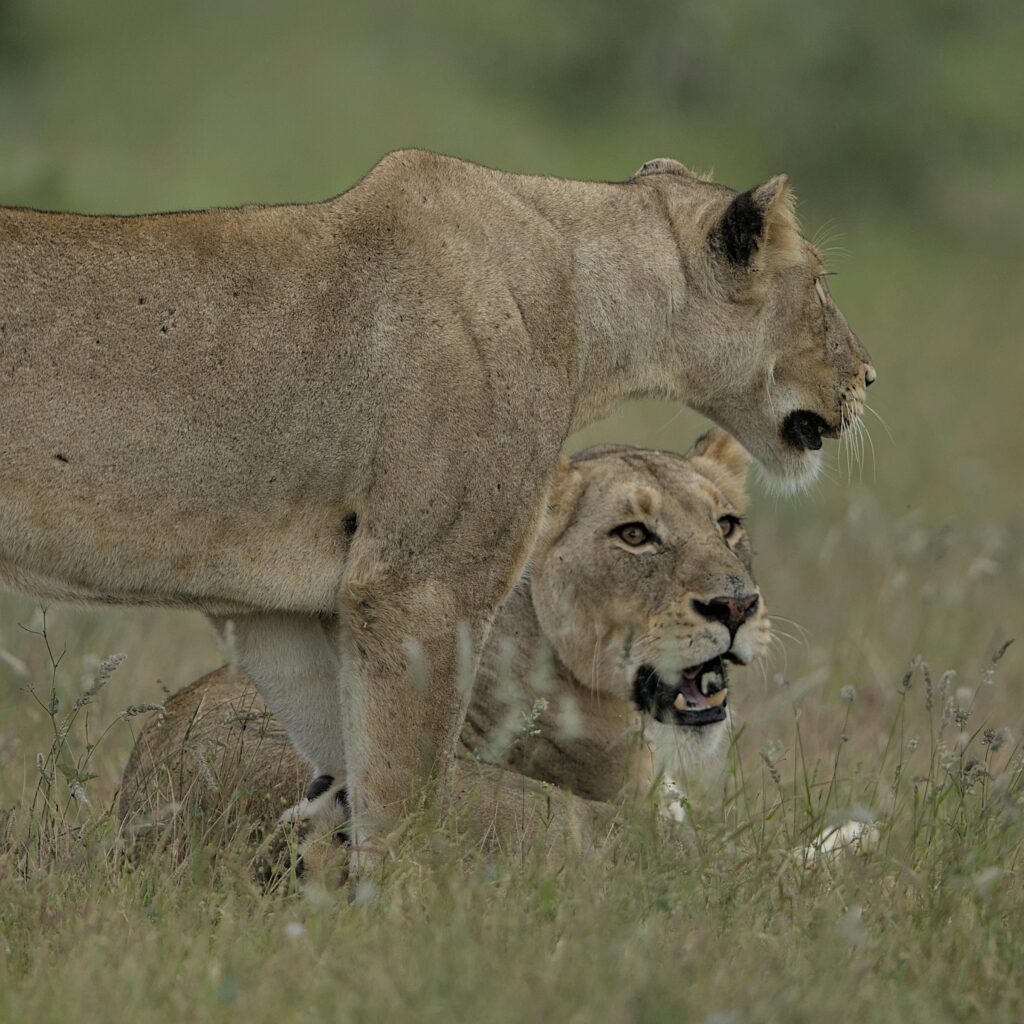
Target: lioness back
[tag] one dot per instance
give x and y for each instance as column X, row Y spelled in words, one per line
column 213, row 737
column 162, row 380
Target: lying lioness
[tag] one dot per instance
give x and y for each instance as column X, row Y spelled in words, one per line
column 606, row 667
column 352, row 412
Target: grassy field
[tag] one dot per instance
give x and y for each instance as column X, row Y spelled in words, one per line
column 902, row 575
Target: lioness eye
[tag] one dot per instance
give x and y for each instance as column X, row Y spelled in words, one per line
column 633, row 534
column 729, row 525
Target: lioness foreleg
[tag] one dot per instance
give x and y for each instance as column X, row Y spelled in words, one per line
column 411, row 638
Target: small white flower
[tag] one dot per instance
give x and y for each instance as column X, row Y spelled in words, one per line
column 999, row 738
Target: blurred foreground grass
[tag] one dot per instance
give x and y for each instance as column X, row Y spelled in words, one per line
column 734, row 922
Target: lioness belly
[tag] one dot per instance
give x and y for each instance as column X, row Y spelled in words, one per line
column 220, row 564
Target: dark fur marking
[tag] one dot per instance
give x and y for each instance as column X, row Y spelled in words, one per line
column 350, row 524
column 341, row 798
column 645, row 689
column 319, row 786
column 641, row 464
column 600, row 450
column 804, row 429
column 61, row 457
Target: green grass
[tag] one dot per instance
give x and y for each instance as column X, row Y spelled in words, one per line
column 733, row 919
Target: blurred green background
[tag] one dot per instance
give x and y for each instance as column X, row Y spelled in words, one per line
column 899, row 124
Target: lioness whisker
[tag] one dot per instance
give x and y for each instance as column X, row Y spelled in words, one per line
column 878, row 416
column 782, row 618
column 845, row 445
column 776, row 646
column 869, row 446
column 788, row 636
column 858, row 439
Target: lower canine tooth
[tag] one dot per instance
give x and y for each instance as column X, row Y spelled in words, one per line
column 713, row 701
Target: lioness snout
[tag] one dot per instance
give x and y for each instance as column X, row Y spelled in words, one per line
column 732, row 612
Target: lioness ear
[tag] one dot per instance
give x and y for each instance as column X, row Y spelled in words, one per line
column 724, row 461
column 566, row 487
column 757, row 222
column 662, row 165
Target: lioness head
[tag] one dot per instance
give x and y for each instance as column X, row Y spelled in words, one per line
column 779, row 366
column 642, row 579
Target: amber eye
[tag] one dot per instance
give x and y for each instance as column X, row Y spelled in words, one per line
column 729, row 525
column 634, row 534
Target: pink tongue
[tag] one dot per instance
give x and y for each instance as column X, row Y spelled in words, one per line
column 690, row 689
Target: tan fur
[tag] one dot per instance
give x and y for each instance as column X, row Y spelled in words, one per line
column 337, row 423
column 588, row 736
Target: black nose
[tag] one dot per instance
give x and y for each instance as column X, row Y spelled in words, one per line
column 732, row 612
column 870, row 376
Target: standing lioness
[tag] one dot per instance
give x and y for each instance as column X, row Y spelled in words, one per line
column 352, row 410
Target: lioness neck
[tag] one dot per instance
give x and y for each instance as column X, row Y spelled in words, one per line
column 629, row 279
column 598, row 270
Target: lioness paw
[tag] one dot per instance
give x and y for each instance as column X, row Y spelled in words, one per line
column 323, row 810
column 311, row 830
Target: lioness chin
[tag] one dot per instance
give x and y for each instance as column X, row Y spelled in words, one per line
column 336, row 424
column 606, row 669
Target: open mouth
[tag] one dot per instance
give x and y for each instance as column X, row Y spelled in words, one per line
column 804, row 429
column 698, row 697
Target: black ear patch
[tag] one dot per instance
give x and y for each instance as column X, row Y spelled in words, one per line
column 741, row 229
